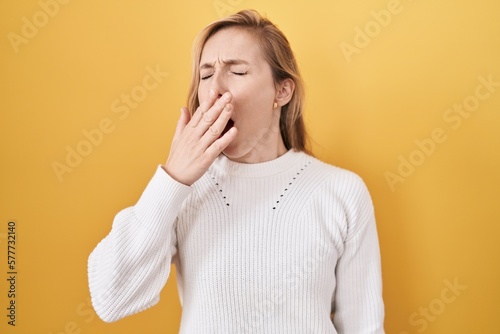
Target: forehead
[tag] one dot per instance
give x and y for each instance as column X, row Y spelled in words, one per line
column 231, row 43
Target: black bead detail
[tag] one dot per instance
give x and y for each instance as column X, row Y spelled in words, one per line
column 290, row 183
column 217, row 184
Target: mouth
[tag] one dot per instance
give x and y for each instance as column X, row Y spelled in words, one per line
column 228, row 126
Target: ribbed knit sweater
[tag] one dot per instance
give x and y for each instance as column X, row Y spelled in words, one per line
column 273, row 247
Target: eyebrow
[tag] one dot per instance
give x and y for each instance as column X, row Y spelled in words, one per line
column 226, row 62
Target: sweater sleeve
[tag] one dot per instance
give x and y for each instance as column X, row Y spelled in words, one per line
column 130, row 266
column 357, row 304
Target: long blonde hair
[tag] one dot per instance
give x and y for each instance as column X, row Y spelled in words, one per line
column 278, row 53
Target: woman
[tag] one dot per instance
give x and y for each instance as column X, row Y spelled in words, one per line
column 265, row 237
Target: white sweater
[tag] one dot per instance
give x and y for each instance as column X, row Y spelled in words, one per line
column 274, row 247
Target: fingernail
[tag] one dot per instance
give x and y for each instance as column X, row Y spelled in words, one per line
column 227, row 96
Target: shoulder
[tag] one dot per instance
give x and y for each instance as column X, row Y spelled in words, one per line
column 344, row 190
column 336, row 179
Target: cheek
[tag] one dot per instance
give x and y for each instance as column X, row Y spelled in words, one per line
column 242, row 102
column 251, row 111
column 254, row 102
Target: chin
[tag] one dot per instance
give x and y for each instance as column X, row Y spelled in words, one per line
column 232, row 153
column 236, row 153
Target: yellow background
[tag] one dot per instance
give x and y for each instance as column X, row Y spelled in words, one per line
column 364, row 113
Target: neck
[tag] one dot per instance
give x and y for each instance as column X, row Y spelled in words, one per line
column 262, row 152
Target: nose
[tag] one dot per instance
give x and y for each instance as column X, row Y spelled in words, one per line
column 218, row 83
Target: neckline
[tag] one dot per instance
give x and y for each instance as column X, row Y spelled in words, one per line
column 260, row 169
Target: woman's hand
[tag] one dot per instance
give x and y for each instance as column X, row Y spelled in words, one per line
column 197, row 140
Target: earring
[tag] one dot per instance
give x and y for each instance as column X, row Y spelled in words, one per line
column 275, row 105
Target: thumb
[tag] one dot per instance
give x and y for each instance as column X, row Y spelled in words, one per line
column 182, row 122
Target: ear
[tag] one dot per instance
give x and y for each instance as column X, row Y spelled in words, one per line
column 284, row 92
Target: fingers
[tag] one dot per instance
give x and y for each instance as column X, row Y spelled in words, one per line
column 220, row 144
column 219, row 124
column 211, row 115
column 204, row 117
column 208, row 112
column 204, row 107
column 214, row 142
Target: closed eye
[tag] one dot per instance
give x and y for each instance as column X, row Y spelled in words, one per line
column 207, row 76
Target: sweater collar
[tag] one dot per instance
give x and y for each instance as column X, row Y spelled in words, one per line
column 261, row 169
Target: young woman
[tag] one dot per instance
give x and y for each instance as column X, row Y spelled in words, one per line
column 265, row 238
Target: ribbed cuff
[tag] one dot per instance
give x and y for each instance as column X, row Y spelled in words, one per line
column 161, row 202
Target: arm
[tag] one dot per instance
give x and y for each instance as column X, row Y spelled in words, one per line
column 357, row 305
column 130, row 266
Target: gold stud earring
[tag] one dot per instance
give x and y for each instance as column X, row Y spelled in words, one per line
column 275, row 105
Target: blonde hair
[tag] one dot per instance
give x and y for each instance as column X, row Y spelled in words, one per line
column 278, row 53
